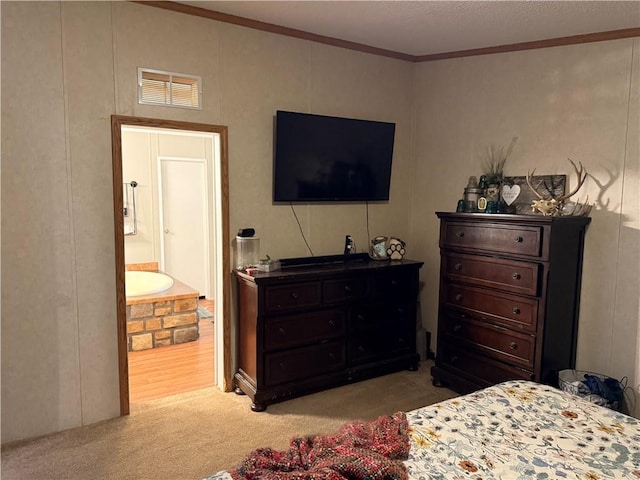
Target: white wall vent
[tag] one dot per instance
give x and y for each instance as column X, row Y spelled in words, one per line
column 157, row 87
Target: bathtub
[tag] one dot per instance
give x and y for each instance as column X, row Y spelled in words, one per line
column 139, row 283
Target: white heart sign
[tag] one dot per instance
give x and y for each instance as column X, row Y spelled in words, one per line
column 510, row 193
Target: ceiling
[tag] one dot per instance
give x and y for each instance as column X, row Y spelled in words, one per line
column 422, row 28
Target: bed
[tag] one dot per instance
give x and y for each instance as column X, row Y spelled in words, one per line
column 514, row 430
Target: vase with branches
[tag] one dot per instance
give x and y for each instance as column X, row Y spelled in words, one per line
column 494, row 159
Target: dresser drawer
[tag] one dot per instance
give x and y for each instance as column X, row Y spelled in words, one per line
column 345, row 289
column 396, row 285
column 289, row 297
column 508, row 275
column 366, row 317
column 493, row 341
column 301, row 363
column 488, row 371
column 302, row 329
column 488, row 305
column 382, row 315
column 520, row 240
column 367, row 346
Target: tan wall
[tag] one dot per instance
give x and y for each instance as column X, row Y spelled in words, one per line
column 578, row 101
column 66, row 68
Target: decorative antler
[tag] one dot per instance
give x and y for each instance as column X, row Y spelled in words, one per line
column 533, row 189
column 582, row 176
column 555, row 206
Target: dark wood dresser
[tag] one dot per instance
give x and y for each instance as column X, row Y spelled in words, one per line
column 323, row 322
column 509, row 298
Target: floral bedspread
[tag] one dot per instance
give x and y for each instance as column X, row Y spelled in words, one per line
column 522, row 430
column 519, row 430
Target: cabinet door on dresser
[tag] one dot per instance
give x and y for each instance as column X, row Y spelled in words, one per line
column 498, row 318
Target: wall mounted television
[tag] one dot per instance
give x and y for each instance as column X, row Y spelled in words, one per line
column 331, row 159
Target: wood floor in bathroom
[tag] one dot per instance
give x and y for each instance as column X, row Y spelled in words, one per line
column 160, row 372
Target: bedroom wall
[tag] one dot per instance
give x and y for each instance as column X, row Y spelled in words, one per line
column 66, row 68
column 578, row 101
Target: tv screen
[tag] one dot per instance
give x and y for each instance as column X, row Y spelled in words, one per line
column 322, row 159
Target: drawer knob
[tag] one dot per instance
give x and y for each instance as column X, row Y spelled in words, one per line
column 361, row 349
column 282, row 365
column 516, row 276
column 395, row 283
column 361, row 317
column 513, row 346
column 515, row 310
column 332, row 323
column 518, row 239
column 295, row 295
column 457, row 266
column 454, row 359
column 456, row 328
column 282, row 331
column 332, row 356
column 348, row 289
column 458, row 297
column 459, row 234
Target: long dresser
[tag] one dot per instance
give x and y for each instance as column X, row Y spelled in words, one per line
column 509, row 298
column 323, row 322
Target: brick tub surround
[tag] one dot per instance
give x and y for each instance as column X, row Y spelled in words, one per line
column 165, row 318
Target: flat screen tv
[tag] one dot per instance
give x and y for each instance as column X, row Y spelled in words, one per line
column 331, row 159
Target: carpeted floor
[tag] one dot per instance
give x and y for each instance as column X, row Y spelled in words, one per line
column 193, row 435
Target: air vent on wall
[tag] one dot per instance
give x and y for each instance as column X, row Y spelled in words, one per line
column 157, row 87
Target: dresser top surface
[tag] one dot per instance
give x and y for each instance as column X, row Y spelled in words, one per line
column 511, row 218
column 332, row 268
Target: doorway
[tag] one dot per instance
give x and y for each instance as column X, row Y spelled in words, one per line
column 219, row 258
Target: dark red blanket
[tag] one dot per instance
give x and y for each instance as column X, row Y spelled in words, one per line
column 358, row 451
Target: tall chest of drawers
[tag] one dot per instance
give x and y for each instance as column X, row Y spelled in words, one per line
column 509, row 298
column 311, row 327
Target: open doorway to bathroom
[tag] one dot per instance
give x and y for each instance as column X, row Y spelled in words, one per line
column 171, row 216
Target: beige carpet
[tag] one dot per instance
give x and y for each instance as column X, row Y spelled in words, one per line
column 193, row 435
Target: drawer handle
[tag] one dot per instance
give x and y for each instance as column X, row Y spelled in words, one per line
column 458, row 297
column 513, row 346
column 295, row 295
column 516, row 276
column 348, row 289
column 457, row 266
column 361, row 317
column 361, row 349
column 282, row 365
column 456, row 328
column 454, row 359
column 401, row 310
column 518, row 239
column 282, row 331
column 332, row 356
column 332, row 323
column 459, row 234
column 395, row 283
column 516, row 310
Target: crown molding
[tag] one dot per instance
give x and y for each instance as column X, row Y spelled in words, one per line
column 336, row 42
